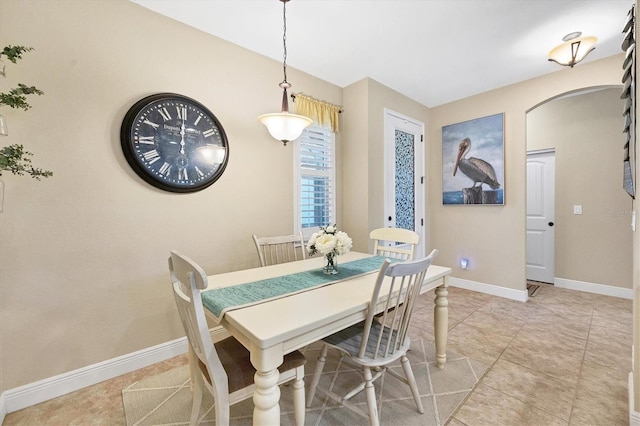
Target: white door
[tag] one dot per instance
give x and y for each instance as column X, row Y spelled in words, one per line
column 404, row 174
column 540, row 216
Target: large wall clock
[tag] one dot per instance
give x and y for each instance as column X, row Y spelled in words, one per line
column 174, row 143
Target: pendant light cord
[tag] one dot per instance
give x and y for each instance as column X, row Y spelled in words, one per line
column 284, row 40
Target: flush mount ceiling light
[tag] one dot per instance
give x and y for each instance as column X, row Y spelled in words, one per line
column 573, row 50
column 283, row 126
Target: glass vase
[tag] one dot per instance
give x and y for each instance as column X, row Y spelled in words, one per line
column 332, row 265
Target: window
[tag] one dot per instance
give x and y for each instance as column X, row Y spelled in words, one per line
column 314, row 180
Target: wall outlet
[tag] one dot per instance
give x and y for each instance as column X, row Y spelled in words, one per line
column 577, row 209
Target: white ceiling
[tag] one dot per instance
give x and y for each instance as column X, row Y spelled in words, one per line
column 432, row 51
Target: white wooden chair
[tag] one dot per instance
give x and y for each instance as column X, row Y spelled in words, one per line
column 280, row 249
column 372, row 345
column 404, row 242
column 224, row 367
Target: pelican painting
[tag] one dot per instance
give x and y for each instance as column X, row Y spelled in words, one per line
column 473, row 174
column 479, row 171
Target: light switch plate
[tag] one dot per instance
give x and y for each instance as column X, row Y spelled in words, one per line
column 577, row 209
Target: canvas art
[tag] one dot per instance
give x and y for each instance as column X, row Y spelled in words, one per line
column 473, row 161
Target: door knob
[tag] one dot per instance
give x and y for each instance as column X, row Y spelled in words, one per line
column 550, row 223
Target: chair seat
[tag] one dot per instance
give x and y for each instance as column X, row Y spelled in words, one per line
column 237, row 363
column 349, row 339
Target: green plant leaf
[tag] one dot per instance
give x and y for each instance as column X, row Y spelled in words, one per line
column 15, row 159
column 16, row 97
column 13, row 53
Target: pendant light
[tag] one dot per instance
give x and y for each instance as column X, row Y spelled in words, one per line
column 573, row 50
column 284, row 126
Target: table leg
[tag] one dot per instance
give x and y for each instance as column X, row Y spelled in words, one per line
column 441, row 324
column 266, row 398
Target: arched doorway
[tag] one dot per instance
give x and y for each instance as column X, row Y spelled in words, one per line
column 592, row 222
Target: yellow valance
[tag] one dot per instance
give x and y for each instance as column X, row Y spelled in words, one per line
column 320, row 112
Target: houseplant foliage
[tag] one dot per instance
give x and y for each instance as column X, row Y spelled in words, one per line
column 14, row 158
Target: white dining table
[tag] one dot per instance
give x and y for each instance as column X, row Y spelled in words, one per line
column 272, row 329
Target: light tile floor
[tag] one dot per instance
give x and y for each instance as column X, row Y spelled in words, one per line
column 561, row 358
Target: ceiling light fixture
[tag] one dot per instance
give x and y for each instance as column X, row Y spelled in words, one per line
column 283, row 126
column 573, row 50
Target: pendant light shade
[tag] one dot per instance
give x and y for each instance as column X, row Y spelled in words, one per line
column 284, row 126
column 573, row 50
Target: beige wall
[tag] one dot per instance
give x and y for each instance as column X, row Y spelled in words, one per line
column 585, row 131
column 493, row 237
column 363, row 185
column 355, row 152
column 83, row 269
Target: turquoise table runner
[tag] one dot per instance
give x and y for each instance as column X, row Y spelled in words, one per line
column 223, row 299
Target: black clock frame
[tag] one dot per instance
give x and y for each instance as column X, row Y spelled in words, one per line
column 128, row 143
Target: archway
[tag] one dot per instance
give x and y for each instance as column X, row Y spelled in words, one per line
column 593, row 248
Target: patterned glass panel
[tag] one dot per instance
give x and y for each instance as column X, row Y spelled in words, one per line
column 405, row 180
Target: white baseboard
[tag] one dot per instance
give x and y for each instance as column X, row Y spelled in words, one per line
column 3, row 408
column 494, row 290
column 523, row 295
column 34, row 393
column 605, row 290
column 634, row 416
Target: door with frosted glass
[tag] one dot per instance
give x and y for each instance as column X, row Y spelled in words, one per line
column 404, row 175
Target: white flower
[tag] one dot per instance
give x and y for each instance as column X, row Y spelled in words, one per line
column 329, row 241
column 326, row 243
column 312, row 241
column 343, row 243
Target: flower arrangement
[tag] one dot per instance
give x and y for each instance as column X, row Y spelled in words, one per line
column 331, row 243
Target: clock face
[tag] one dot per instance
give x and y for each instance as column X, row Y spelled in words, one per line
column 174, row 143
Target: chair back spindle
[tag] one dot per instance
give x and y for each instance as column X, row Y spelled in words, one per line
column 280, row 249
column 397, row 288
column 381, row 339
column 403, row 242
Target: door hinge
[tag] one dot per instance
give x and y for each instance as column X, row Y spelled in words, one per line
column 421, row 222
column 421, row 138
column 422, row 180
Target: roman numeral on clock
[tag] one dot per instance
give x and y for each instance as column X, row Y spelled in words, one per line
column 151, row 123
column 182, row 112
column 182, row 174
column 165, row 169
column 146, row 139
column 151, row 156
column 165, row 114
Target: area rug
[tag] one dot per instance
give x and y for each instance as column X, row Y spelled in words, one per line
column 165, row 399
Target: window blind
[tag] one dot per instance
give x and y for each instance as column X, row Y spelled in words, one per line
column 316, row 187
